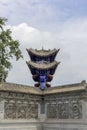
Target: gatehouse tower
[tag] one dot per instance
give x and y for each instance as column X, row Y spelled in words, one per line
column 42, row 66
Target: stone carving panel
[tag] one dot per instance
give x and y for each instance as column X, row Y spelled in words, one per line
column 51, row 111
column 76, row 110
column 20, row 109
column 21, row 112
column 65, row 110
column 10, row 110
column 32, row 111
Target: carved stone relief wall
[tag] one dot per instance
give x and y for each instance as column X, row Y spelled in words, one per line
column 19, row 106
column 58, row 106
column 21, row 109
column 64, row 107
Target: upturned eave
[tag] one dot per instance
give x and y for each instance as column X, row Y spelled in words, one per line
column 43, row 65
column 42, row 53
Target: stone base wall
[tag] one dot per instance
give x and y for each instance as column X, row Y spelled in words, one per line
column 65, row 125
column 47, row 125
column 20, row 125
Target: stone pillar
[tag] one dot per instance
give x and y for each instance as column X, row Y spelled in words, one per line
column 1, row 109
column 42, row 111
column 84, row 109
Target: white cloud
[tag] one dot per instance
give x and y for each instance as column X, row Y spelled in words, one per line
column 72, row 40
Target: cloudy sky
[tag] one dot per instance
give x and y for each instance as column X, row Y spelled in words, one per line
column 51, row 24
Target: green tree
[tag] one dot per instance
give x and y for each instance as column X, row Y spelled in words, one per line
column 9, row 48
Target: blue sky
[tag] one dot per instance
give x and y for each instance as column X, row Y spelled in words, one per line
column 42, row 13
column 52, row 24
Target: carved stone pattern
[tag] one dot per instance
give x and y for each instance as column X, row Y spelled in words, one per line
column 51, row 111
column 10, row 110
column 11, row 95
column 64, row 110
column 21, row 109
column 60, row 97
column 60, row 106
column 76, row 110
column 59, row 111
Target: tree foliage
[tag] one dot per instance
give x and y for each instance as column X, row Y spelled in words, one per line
column 9, row 48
